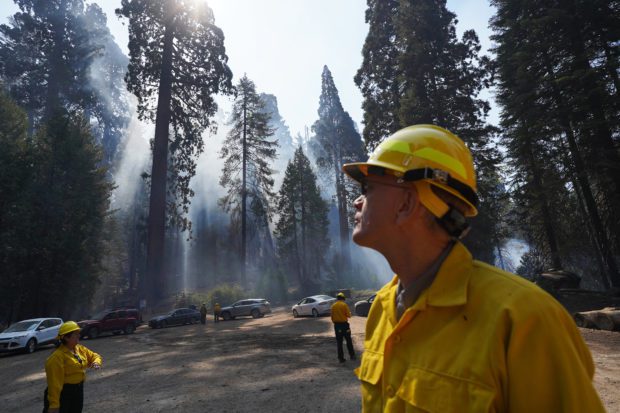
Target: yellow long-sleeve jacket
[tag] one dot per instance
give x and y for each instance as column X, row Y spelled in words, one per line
column 477, row 340
column 62, row 367
column 340, row 312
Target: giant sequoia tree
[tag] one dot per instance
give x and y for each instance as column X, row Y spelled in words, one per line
column 248, row 153
column 557, row 65
column 177, row 64
column 335, row 142
column 301, row 231
column 415, row 70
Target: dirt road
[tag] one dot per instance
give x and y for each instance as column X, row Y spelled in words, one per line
column 273, row 364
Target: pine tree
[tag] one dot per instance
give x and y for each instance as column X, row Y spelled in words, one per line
column 555, row 65
column 335, row 142
column 59, row 53
column 247, row 174
column 177, row 63
column 55, row 224
column 301, row 231
column 416, row 70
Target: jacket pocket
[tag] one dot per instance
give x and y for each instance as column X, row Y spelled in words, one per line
column 433, row 392
column 371, row 367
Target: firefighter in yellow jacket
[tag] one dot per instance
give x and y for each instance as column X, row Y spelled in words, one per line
column 340, row 317
column 66, row 371
column 449, row 333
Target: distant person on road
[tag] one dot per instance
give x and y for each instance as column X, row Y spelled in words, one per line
column 217, row 308
column 203, row 313
column 66, row 370
column 340, row 317
column 449, row 333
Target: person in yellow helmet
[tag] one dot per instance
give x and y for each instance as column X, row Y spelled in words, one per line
column 217, row 308
column 449, row 333
column 66, row 370
column 340, row 314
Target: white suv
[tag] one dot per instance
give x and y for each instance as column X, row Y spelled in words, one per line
column 27, row 335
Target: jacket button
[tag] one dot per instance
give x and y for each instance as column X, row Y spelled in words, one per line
column 389, row 391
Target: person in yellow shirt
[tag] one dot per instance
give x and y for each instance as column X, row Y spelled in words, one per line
column 340, row 317
column 217, row 308
column 65, row 369
column 449, row 333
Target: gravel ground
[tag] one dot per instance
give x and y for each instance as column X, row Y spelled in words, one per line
column 271, row 364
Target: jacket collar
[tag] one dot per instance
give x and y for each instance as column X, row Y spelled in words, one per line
column 447, row 290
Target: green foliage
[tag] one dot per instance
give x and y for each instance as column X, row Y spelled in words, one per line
column 52, row 229
column 415, row 70
column 557, row 70
column 248, row 152
column 301, row 231
column 61, row 53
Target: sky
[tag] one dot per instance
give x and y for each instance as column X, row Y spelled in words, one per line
column 282, row 45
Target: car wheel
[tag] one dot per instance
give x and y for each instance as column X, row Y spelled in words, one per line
column 226, row 316
column 315, row 313
column 163, row 324
column 255, row 313
column 31, row 346
column 93, row 333
column 295, row 314
column 117, row 332
column 130, row 328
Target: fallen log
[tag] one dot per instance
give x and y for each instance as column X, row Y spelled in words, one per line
column 606, row 319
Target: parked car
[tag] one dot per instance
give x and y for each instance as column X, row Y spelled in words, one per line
column 255, row 307
column 315, row 306
column 363, row 307
column 175, row 317
column 27, row 335
column 109, row 321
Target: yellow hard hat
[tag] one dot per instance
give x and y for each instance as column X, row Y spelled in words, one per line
column 425, row 155
column 68, row 327
column 340, row 295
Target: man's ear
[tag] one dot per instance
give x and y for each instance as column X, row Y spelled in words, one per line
column 409, row 206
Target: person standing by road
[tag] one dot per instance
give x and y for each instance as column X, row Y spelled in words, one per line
column 66, row 370
column 203, row 313
column 217, row 308
column 340, row 317
column 450, row 333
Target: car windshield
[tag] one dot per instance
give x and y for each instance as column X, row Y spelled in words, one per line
column 21, row 326
column 323, row 297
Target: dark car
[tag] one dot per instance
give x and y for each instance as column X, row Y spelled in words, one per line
column 177, row 316
column 363, row 307
column 109, row 321
column 255, row 307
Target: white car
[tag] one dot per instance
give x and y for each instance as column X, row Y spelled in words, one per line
column 315, row 306
column 27, row 335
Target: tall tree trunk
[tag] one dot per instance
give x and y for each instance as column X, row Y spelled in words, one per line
column 581, row 176
column 244, row 197
column 343, row 220
column 544, row 206
column 56, row 62
column 304, row 218
column 155, row 259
